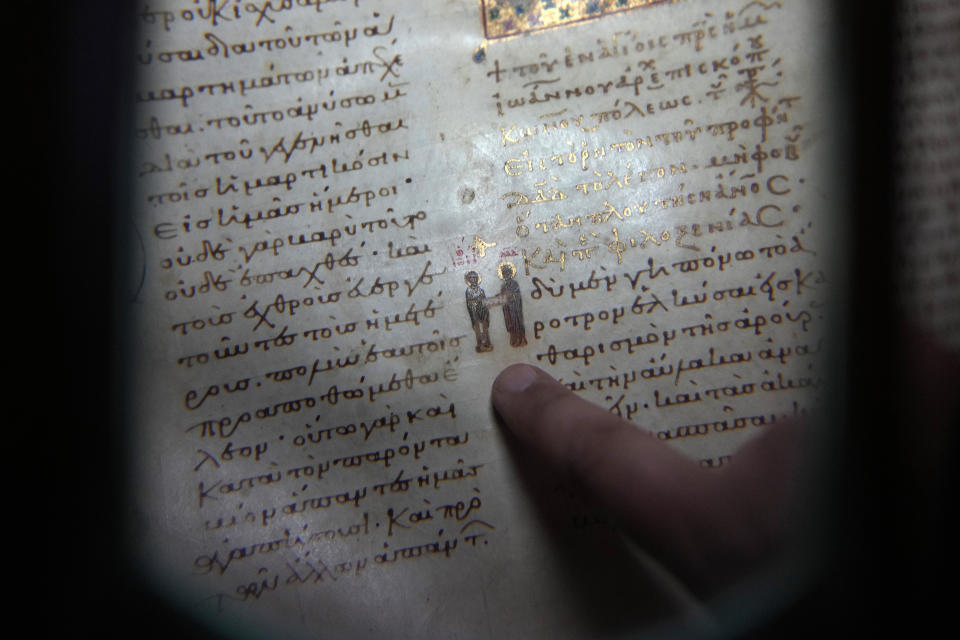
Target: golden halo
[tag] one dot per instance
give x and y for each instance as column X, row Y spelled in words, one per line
column 505, row 263
column 466, row 277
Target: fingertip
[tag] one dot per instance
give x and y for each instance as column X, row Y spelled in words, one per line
column 516, row 378
column 518, row 395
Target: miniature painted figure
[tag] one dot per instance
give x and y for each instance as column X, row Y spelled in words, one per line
column 479, row 314
column 512, row 305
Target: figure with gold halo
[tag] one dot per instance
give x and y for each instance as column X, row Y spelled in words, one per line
column 512, row 303
column 477, row 308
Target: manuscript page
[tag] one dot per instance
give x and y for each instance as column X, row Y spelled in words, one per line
column 928, row 190
column 350, row 215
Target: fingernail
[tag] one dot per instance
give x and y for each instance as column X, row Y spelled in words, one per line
column 516, row 378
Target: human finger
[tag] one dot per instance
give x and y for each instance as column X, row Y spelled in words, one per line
column 704, row 524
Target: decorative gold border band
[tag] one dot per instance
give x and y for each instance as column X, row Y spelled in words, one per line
column 504, row 18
